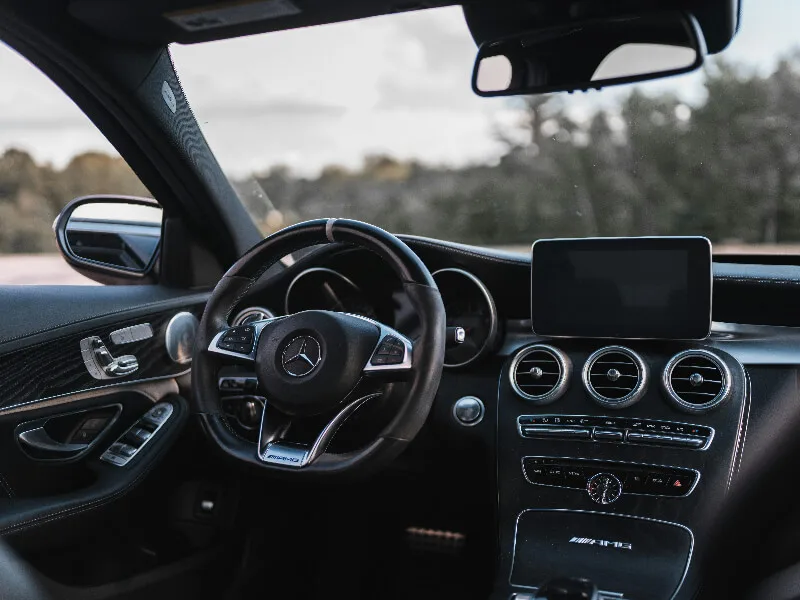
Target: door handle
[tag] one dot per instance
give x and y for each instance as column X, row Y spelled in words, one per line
column 39, row 439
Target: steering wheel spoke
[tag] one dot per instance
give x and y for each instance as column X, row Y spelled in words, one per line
column 274, row 447
column 239, row 342
column 392, row 355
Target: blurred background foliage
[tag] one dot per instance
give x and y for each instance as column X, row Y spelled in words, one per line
column 727, row 167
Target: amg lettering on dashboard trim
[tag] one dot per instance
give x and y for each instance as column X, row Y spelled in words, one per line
column 604, row 543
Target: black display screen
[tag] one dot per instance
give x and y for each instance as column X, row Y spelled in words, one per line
column 657, row 288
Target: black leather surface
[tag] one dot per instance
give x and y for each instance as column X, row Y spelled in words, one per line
column 18, row 580
column 43, row 310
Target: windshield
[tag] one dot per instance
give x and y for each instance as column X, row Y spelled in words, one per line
column 376, row 120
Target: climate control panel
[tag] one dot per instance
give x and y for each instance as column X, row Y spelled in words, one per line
column 607, row 481
column 620, row 430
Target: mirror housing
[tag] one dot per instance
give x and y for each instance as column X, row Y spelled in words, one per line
column 589, row 55
column 111, row 239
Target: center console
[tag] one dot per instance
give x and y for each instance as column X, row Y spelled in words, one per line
column 612, row 452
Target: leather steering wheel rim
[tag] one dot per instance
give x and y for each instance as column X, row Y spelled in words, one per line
column 415, row 397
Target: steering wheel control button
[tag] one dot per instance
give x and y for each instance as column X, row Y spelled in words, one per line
column 238, row 339
column 618, row 430
column 468, row 411
column 604, row 488
column 237, row 384
column 128, row 445
column 391, row 351
column 637, row 479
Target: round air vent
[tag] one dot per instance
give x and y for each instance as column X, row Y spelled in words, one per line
column 697, row 381
column 540, row 373
column 615, row 377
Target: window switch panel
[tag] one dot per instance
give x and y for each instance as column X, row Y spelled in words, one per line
column 128, row 445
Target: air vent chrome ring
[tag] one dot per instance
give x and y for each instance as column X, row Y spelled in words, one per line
column 614, row 375
column 558, row 388
column 702, row 407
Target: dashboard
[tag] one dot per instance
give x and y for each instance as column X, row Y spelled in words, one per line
column 602, row 456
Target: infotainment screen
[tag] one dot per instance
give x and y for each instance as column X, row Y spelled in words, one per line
column 654, row 288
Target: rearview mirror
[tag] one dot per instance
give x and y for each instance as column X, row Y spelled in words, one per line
column 110, row 237
column 591, row 54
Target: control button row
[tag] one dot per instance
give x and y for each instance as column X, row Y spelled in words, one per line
column 390, row 351
column 616, row 429
column 647, row 425
column 132, row 441
column 238, row 384
column 611, row 435
column 636, row 479
column 238, row 339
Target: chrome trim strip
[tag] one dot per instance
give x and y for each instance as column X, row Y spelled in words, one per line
column 494, row 321
column 619, row 462
column 634, row 395
column 593, row 512
column 741, row 434
column 564, row 362
column 697, row 409
column 708, row 443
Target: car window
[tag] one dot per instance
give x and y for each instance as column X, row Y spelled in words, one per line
column 384, row 127
column 50, row 153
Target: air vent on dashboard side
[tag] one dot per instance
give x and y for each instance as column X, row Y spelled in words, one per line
column 540, row 373
column 697, row 381
column 615, row 377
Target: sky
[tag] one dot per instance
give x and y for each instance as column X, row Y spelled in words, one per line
column 332, row 94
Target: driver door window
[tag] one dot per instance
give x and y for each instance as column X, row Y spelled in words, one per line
column 50, row 153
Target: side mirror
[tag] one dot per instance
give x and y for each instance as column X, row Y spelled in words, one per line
column 589, row 55
column 111, row 239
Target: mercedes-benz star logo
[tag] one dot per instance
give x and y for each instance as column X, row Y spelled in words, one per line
column 301, row 356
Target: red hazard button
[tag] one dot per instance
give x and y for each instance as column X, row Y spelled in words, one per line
column 680, row 484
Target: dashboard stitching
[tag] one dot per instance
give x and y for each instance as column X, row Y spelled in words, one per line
column 757, row 280
column 472, row 253
column 6, row 486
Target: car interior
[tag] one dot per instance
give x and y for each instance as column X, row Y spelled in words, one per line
column 336, row 411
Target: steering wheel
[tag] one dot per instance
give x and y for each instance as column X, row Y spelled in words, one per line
column 316, row 368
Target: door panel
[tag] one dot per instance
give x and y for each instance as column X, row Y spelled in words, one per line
column 45, row 382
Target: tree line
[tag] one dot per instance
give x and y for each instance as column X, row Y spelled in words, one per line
column 727, row 167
